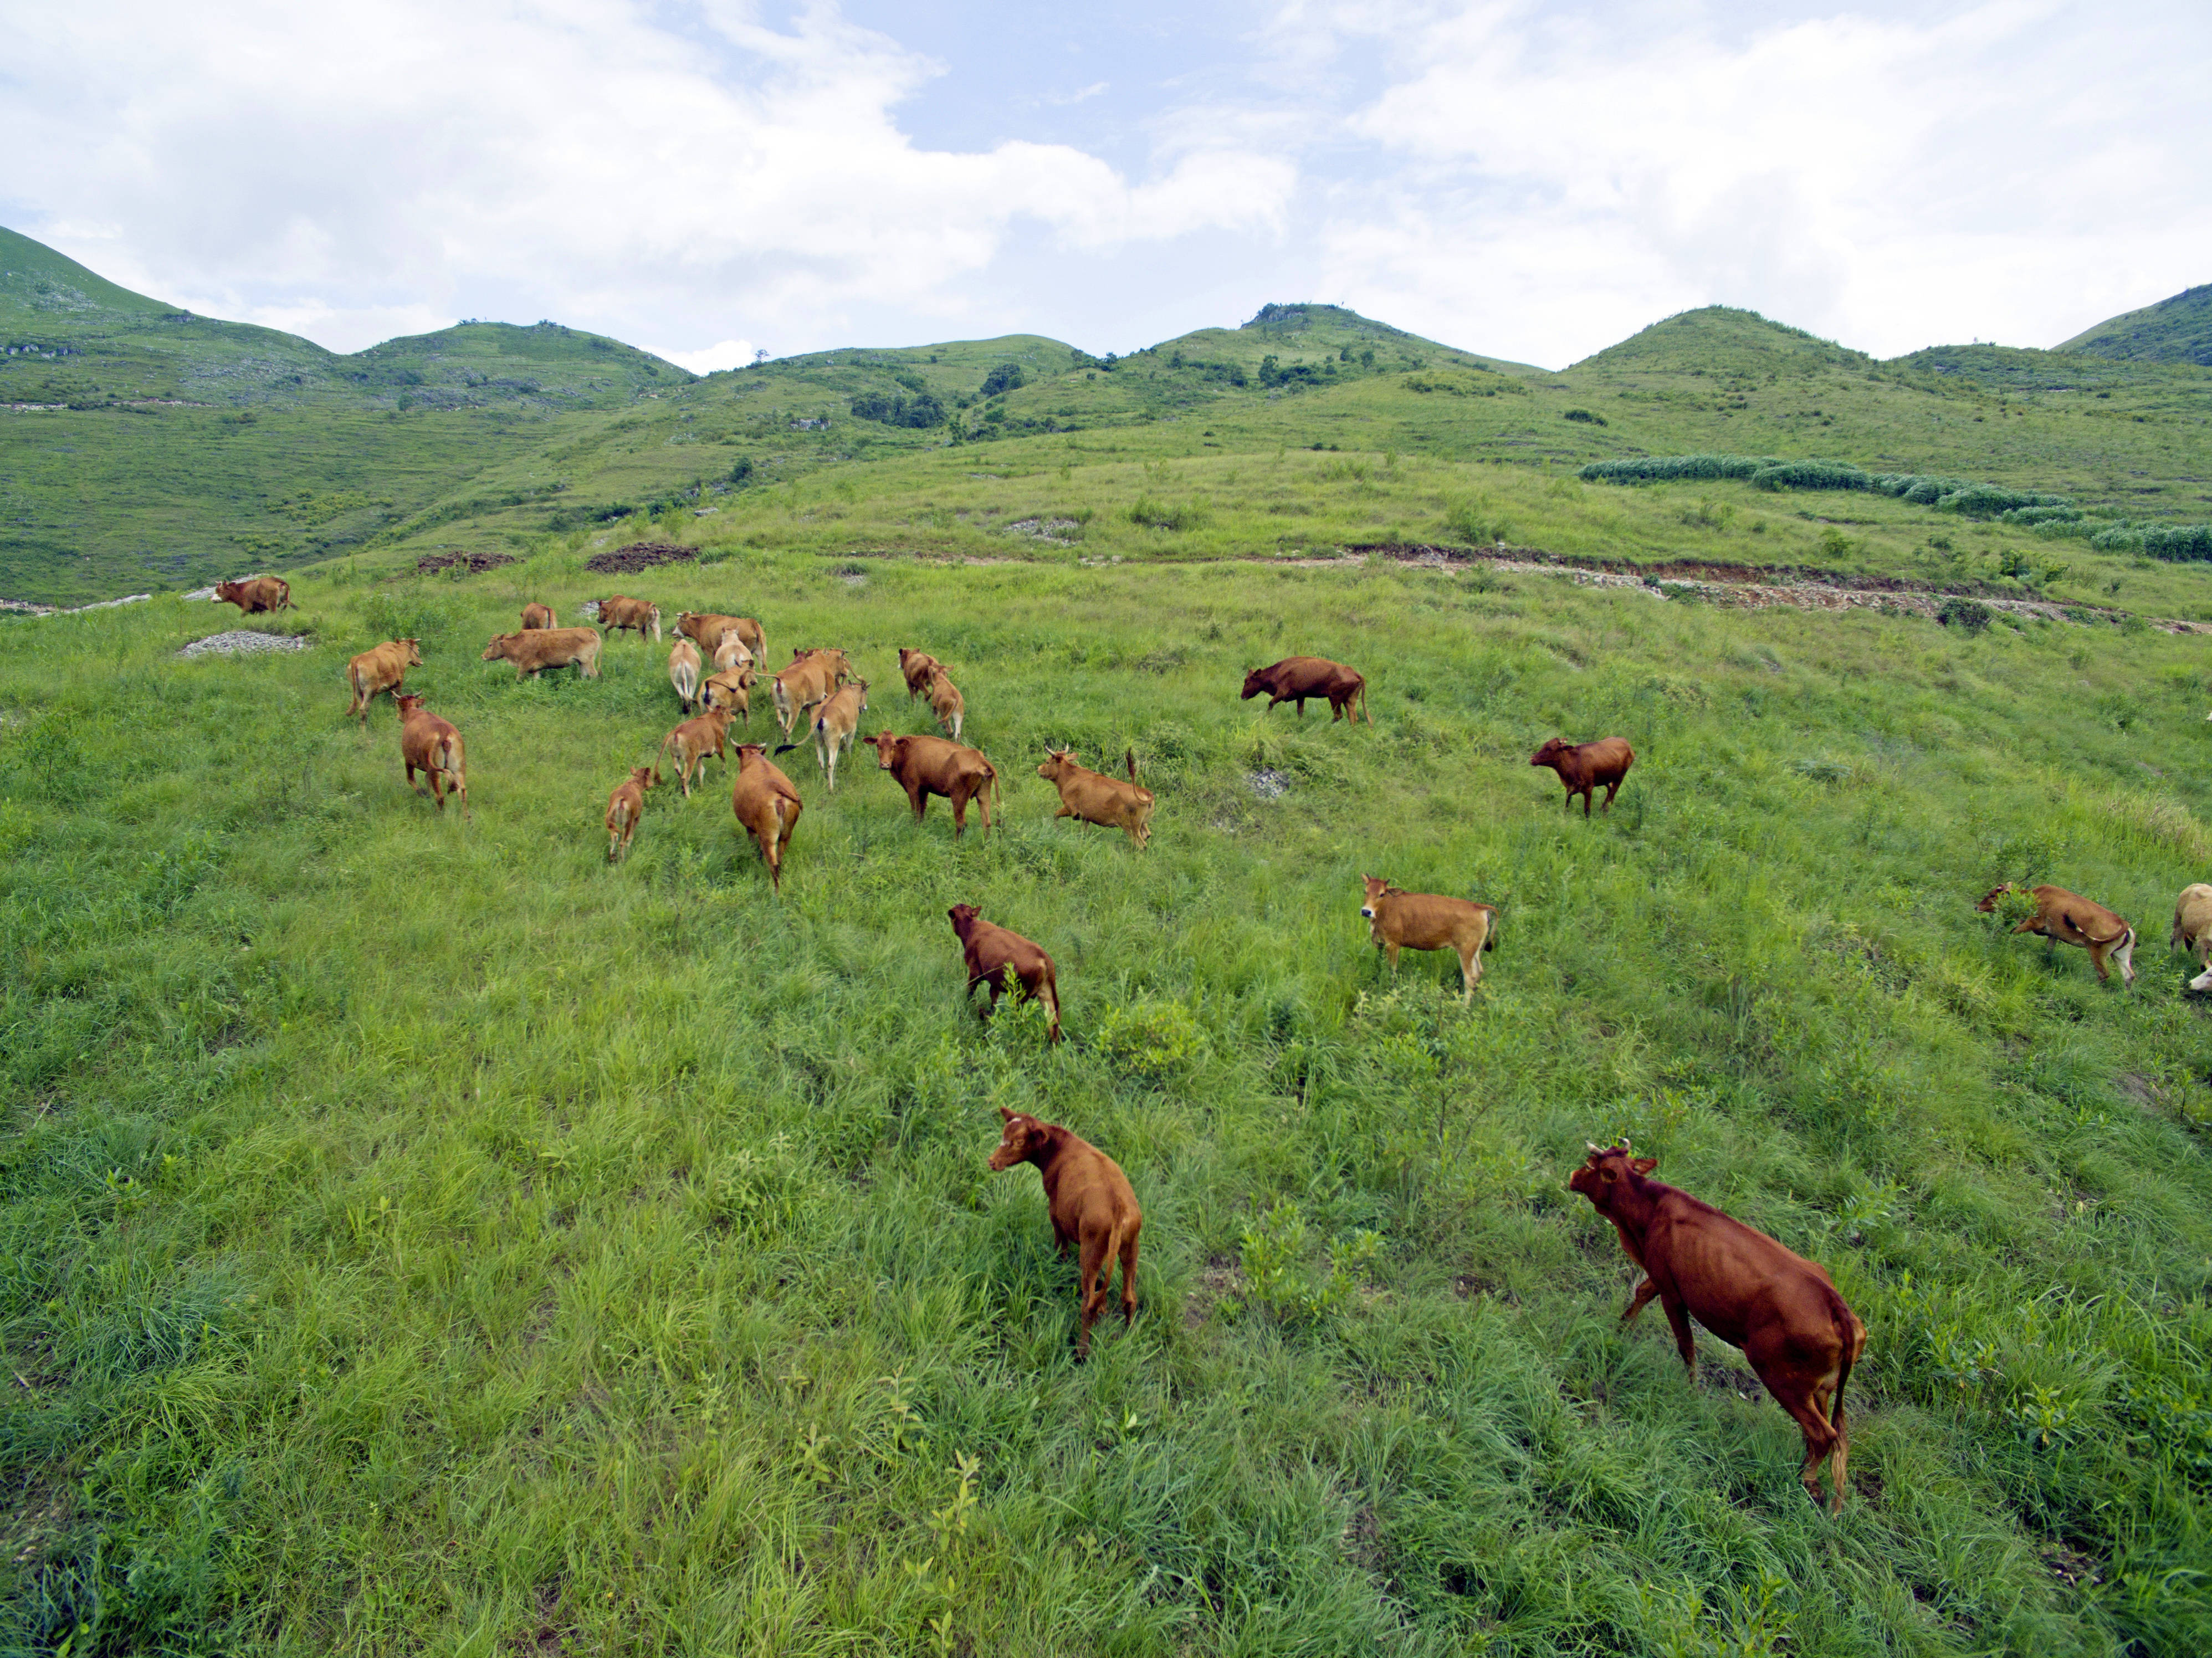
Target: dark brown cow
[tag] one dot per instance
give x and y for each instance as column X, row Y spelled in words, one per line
column 1586, row 766
column 766, row 806
column 383, row 669
column 935, row 765
column 992, row 952
column 1089, row 797
column 624, row 807
column 255, row 594
column 1780, row 1308
column 2068, row 918
column 1092, row 1207
column 641, row 614
column 540, row 648
column 914, row 668
column 431, row 746
column 538, row 616
column 1429, row 920
column 1296, row 678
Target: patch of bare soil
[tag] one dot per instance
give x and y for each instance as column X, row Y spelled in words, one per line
column 244, row 641
column 476, row 564
column 642, row 556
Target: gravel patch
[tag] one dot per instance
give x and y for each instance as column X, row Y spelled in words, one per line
column 1057, row 531
column 244, row 641
column 1269, row 784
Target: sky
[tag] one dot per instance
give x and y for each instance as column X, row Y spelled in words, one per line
column 707, row 178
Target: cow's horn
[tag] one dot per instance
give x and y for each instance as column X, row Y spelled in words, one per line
column 1593, row 1145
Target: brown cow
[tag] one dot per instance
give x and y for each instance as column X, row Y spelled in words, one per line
column 1091, row 1204
column 914, row 668
column 2068, row 918
column 766, row 806
column 811, row 678
column 992, row 952
column 541, row 648
column 683, row 671
column 708, row 628
column 383, row 669
column 538, row 616
column 1780, row 1308
column 732, row 653
column 2192, row 930
column 1295, row 678
column 624, row 807
column 932, row 765
column 692, row 741
column 255, row 594
column 1429, row 920
column 946, row 702
column 431, row 746
column 1090, row 798
column 1586, row 766
column 618, row 613
column 836, row 726
column 733, row 689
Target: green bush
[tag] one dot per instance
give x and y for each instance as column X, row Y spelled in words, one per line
column 1990, row 499
column 1584, row 417
column 1006, row 377
column 1153, row 515
column 1966, row 613
column 1666, row 469
column 1149, row 1040
column 1810, row 475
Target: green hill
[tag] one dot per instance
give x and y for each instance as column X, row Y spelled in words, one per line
column 2176, row 330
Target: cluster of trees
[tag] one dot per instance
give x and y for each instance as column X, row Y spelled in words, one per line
column 923, row 409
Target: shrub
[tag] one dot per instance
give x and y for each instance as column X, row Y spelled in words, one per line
column 1989, row 499
column 887, row 409
column 1006, row 377
column 1584, row 416
column 1148, row 1040
column 1281, row 1279
column 1153, row 515
column 1810, row 475
column 1963, row 613
column 1664, row 469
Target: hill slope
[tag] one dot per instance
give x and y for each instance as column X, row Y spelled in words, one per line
column 2176, row 330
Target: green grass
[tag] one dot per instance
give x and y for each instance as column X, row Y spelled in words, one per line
column 421, row 1236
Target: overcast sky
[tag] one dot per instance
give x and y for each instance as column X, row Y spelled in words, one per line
column 704, row 177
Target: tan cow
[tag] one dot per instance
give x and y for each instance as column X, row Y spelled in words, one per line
column 2192, row 930
column 1090, row 798
column 811, row 678
column 946, row 702
column 431, row 746
column 837, row 725
column 255, row 594
column 992, row 952
column 1429, row 920
column 538, row 616
column 683, row 671
column 624, row 807
column 914, row 668
column 710, row 628
column 541, row 648
column 1092, row 1205
column 2068, row 918
column 618, row 613
column 692, row 741
column 766, row 806
column 933, row 765
column 383, row 669
column 732, row 653
column 733, row 689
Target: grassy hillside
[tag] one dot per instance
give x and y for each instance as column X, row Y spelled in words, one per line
column 422, row 1236
column 2176, row 330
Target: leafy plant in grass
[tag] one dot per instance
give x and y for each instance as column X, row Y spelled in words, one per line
column 1970, row 614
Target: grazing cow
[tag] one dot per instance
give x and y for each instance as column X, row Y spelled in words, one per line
column 945, row 703
column 683, row 671
column 1089, row 797
column 914, row 668
column 1429, row 920
column 2068, row 918
column 811, row 678
column 837, row 725
column 1093, row 1208
column 931, row 765
column 538, row 616
column 1780, row 1308
column 709, row 630
column 733, row 689
column 618, row 613
column 383, row 669
column 732, row 653
column 431, row 746
column 624, row 807
column 1295, row 678
column 2192, row 930
column 1586, row 766
column 541, row 648
column 255, row 594
column 766, row 806
column 692, row 741
column 992, row 952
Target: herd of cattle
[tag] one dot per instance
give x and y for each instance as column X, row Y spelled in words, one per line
column 1781, row 1309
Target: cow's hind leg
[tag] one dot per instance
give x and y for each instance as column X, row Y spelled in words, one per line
column 1611, row 789
column 1130, row 1276
column 1090, row 1267
column 1470, row 969
column 1678, row 1314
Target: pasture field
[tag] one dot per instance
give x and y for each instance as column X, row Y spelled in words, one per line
column 421, row 1236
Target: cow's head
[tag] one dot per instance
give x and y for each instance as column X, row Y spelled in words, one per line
column 750, row 755
column 227, row 590
column 888, row 750
column 407, row 704
column 1058, row 763
column 645, row 777
column 1989, row 899
column 497, row 649
column 963, row 918
column 1377, row 886
column 1550, row 753
column 1022, row 1137
column 1610, row 1171
column 1255, row 681
column 414, row 651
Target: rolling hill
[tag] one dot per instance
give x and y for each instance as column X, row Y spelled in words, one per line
column 2176, row 330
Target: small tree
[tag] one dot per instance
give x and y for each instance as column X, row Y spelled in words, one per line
column 1006, row 377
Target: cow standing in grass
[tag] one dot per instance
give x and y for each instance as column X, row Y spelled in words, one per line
column 637, row 614
column 946, row 702
column 540, row 648
column 1296, row 678
column 766, row 806
column 935, row 765
column 2192, row 930
column 836, row 724
column 255, row 594
column 914, row 668
column 1092, row 1205
column 432, row 746
column 624, row 807
column 683, row 671
column 692, row 741
column 538, row 616
column 1429, row 920
column 378, row 670
column 2068, row 918
column 992, row 952
column 1090, row 797
column 1585, row 768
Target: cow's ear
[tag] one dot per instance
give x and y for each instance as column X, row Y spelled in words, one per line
column 1643, row 1165
column 1006, row 1113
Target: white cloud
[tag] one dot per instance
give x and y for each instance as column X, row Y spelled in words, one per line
column 724, row 353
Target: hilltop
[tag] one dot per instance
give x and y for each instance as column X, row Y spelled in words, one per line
column 2176, row 330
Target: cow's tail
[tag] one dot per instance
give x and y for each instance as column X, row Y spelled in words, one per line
column 998, row 806
column 661, row 758
column 1363, row 709
column 1490, row 932
column 1853, row 1333
column 1131, row 756
column 1048, row 994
